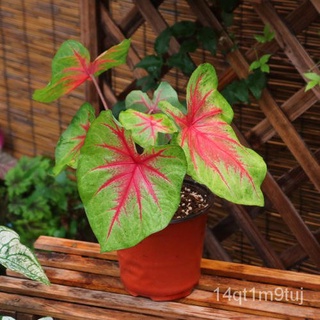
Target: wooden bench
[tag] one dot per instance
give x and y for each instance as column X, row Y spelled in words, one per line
column 86, row 285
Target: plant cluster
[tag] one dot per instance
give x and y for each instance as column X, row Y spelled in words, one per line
column 192, row 36
column 130, row 169
column 37, row 203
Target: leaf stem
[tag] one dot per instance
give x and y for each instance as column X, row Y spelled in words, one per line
column 99, row 92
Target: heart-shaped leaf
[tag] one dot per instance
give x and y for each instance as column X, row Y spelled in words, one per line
column 69, row 145
column 17, row 257
column 140, row 101
column 71, row 66
column 145, row 128
column 214, row 154
column 123, row 190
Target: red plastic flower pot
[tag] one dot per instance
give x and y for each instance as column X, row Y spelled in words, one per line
column 166, row 265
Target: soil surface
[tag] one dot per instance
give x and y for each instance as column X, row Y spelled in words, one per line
column 193, row 200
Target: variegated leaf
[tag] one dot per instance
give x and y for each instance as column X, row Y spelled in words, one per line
column 145, row 128
column 214, row 154
column 123, row 190
column 17, row 257
column 71, row 66
column 71, row 141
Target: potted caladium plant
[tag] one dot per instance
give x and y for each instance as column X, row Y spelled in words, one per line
column 131, row 168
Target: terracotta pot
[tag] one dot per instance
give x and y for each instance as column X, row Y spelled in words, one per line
column 166, row 265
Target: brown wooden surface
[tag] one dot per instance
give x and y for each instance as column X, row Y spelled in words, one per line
column 85, row 285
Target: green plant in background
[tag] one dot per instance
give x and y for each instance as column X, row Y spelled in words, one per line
column 261, row 63
column 191, row 36
column 130, row 170
column 239, row 91
column 267, row 36
column 314, row 80
column 37, row 203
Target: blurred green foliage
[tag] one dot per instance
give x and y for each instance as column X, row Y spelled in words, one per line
column 34, row 203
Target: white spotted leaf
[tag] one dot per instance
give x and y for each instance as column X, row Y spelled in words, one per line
column 17, row 257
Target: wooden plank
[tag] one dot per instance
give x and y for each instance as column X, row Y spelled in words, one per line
column 133, row 20
column 257, row 290
column 215, row 249
column 84, row 301
column 63, row 310
column 260, row 307
column 294, row 107
column 221, row 268
column 89, row 38
column 78, row 263
column 114, row 31
column 296, row 254
column 316, row 4
column 256, row 239
column 260, row 274
column 158, row 24
column 75, row 247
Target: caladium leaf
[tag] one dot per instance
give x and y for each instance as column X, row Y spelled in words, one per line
column 68, row 148
column 214, row 154
column 145, row 128
column 127, row 195
column 140, row 101
column 17, row 257
column 71, row 66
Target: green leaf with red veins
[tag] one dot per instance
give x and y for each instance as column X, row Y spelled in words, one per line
column 145, row 128
column 127, row 195
column 214, row 155
column 140, row 101
column 71, row 66
column 72, row 139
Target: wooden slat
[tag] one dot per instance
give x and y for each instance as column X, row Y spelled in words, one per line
column 134, row 19
column 316, row 4
column 255, row 237
column 158, row 24
column 259, row 274
column 63, row 310
column 89, row 38
column 74, row 247
column 255, row 290
column 294, row 107
column 79, row 263
column 296, row 254
column 262, row 308
column 85, row 302
column 215, row 249
column 114, row 31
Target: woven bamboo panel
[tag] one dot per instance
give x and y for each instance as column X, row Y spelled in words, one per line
column 283, row 126
column 31, row 32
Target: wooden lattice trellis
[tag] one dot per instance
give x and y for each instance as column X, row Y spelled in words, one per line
column 105, row 23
